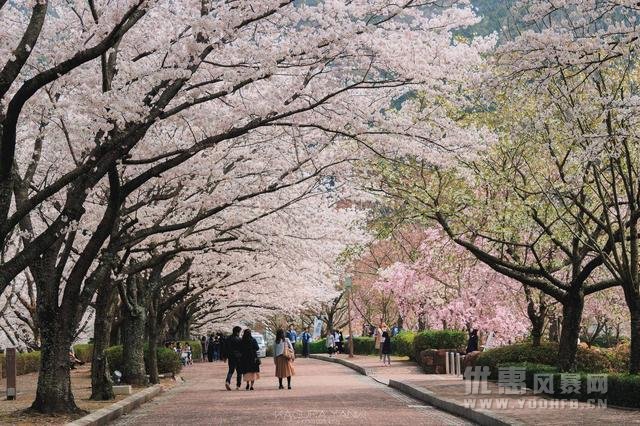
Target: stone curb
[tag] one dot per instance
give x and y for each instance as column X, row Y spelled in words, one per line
column 109, row 414
column 481, row 417
column 344, row 362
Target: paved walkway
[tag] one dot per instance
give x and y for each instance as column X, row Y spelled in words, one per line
column 322, row 394
column 523, row 409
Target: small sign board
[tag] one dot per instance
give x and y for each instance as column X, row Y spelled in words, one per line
column 10, row 357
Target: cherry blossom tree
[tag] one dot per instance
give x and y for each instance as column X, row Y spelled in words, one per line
column 449, row 288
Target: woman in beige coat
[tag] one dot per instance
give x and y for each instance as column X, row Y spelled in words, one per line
column 284, row 364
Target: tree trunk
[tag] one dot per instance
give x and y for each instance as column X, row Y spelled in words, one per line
column 572, row 314
column 152, row 330
column 133, row 350
column 421, row 323
column 54, row 395
column 101, row 384
column 536, row 333
column 153, row 360
column 633, row 302
column 537, row 314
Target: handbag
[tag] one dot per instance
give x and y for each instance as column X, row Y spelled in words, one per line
column 287, row 352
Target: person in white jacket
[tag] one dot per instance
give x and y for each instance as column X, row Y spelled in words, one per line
column 331, row 343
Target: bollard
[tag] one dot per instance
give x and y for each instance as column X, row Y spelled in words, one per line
column 446, row 363
column 458, row 369
column 10, row 355
column 452, row 363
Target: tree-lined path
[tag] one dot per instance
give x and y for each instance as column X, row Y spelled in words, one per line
column 322, row 394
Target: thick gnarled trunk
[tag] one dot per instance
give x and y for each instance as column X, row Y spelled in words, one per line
column 133, row 351
column 101, row 384
column 633, row 303
column 53, row 395
column 571, row 317
column 153, row 334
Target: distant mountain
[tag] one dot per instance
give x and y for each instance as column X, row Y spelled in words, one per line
column 493, row 13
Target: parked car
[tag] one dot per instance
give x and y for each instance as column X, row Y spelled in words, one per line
column 262, row 345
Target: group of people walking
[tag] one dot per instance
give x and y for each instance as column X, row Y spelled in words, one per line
column 241, row 354
column 305, row 339
column 212, row 347
column 335, row 342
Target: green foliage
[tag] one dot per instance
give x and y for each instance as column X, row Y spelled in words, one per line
column 84, row 351
column 618, row 356
column 402, row 344
column 315, row 347
column 438, row 339
column 588, row 360
column 114, row 356
column 363, row 346
column 26, row 362
column 623, row 390
column 168, row 360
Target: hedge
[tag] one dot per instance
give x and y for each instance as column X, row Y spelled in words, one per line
column 26, row 362
column 439, row 339
column 588, row 360
column 168, row 360
column 84, row 351
column 363, row 346
column 402, row 344
column 315, row 347
column 622, row 389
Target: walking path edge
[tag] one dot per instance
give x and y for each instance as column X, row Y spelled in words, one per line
column 108, row 414
column 482, row 417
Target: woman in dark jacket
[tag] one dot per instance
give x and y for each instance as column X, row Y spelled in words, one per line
column 472, row 344
column 249, row 361
column 386, row 347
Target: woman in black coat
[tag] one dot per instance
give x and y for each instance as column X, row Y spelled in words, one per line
column 249, row 361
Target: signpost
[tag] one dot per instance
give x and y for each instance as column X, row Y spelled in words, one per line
column 10, row 354
column 347, row 287
column 317, row 328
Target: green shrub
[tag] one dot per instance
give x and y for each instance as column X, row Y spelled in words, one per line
column 618, row 356
column 315, row 347
column 84, row 351
column 114, row 356
column 26, row 362
column 168, row 360
column 439, row 339
column 623, row 390
column 588, row 360
column 402, row 344
column 363, row 346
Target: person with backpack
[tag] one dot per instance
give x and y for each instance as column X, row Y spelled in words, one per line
column 232, row 352
column 306, row 342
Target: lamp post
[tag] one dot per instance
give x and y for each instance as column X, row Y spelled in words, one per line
column 347, row 287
